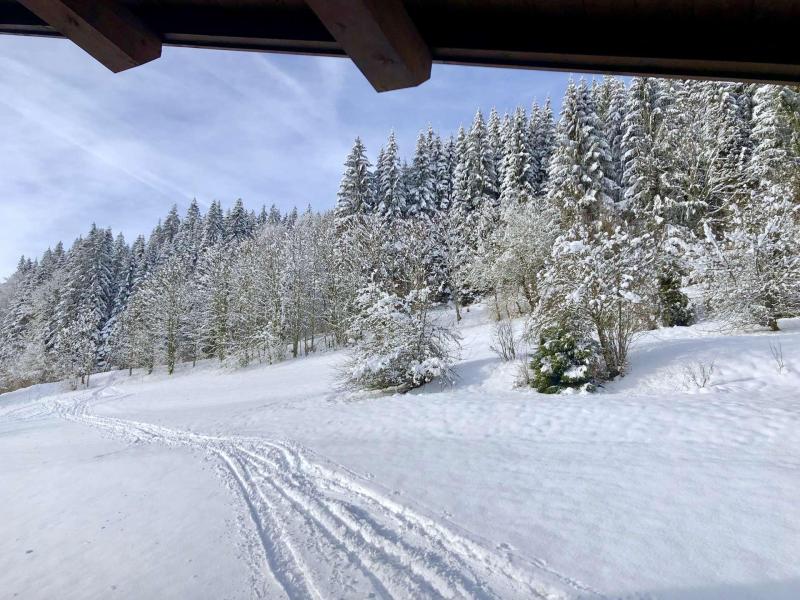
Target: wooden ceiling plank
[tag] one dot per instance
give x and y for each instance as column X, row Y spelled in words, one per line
column 106, row 30
column 380, row 38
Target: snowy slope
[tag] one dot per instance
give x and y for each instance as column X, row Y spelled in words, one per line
column 269, row 483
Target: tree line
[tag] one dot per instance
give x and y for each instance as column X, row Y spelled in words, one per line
column 591, row 225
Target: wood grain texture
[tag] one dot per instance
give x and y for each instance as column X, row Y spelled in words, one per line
column 107, row 30
column 380, row 38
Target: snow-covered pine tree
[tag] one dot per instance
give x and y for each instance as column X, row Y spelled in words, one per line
column 578, row 185
column 391, row 201
column 189, row 240
column 461, row 241
column 17, row 319
column 121, row 274
column 169, row 231
column 213, row 226
column 422, row 192
column 516, row 186
column 599, row 282
column 168, row 289
column 775, row 153
column 213, row 289
column 650, row 200
column 516, row 192
column 496, row 131
column 610, row 100
column 355, row 195
column 444, row 162
column 239, row 224
column 274, row 217
column 482, row 183
column 134, row 339
column 542, row 135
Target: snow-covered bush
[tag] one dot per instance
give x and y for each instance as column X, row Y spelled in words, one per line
column 601, row 282
column 503, row 342
column 697, row 375
column 398, row 343
column 674, row 304
column 776, row 351
column 565, row 360
column 753, row 272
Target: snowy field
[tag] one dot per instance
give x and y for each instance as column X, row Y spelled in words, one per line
column 268, row 483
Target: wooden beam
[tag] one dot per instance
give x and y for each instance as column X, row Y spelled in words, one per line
column 106, row 30
column 380, row 38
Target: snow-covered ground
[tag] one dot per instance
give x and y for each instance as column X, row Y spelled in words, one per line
column 269, row 483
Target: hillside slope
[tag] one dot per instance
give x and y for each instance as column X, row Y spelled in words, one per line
column 268, row 482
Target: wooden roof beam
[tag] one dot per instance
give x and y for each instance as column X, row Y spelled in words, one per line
column 380, row 38
column 106, row 30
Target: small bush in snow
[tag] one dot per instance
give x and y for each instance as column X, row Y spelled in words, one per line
column 564, row 360
column 399, row 345
column 674, row 304
column 503, row 343
column 697, row 375
column 776, row 351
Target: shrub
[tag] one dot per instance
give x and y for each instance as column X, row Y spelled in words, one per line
column 565, row 361
column 503, row 342
column 675, row 309
column 399, row 343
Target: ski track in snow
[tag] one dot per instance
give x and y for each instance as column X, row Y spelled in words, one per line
column 321, row 532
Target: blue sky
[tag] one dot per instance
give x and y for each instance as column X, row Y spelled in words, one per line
column 79, row 144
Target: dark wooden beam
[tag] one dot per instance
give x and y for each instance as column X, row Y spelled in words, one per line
column 746, row 40
column 106, row 30
column 380, row 38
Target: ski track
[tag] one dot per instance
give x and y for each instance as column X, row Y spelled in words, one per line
column 322, row 532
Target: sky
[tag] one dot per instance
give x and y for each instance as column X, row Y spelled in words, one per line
column 81, row 145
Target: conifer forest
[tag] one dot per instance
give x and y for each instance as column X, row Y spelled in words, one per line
column 645, row 203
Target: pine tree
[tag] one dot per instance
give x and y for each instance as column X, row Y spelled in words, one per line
column 496, row 132
column 422, row 192
column 239, row 224
column 170, row 230
column 134, row 338
column 274, row 217
column 391, row 201
column 356, row 189
column 516, row 186
column 213, row 273
column 121, row 279
column 610, row 100
column 214, row 226
column 443, row 155
column 775, row 153
column 189, row 240
column 578, row 183
column 168, row 290
column 542, row 135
